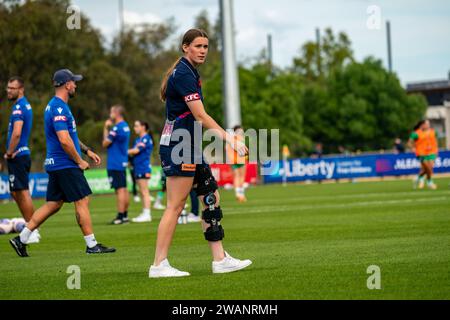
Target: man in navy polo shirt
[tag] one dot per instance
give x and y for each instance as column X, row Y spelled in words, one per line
column 65, row 167
column 17, row 151
column 116, row 138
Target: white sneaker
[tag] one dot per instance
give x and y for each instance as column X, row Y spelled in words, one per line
column 137, row 199
column 35, row 237
column 183, row 218
column 165, row 270
column 142, row 218
column 229, row 264
column 192, row 218
column 432, row 186
column 421, row 184
column 159, row 206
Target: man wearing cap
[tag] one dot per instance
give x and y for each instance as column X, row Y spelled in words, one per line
column 64, row 166
column 18, row 153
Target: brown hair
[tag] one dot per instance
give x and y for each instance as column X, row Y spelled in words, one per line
column 188, row 38
column 119, row 108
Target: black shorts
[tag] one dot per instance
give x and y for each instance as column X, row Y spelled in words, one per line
column 19, row 170
column 117, row 179
column 68, row 185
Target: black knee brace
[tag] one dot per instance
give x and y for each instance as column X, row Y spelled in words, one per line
column 212, row 216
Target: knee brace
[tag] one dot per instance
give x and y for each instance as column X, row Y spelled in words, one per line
column 212, row 216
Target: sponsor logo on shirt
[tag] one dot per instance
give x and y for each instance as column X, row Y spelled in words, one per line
column 59, row 118
column 22, row 149
column 49, row 162
column 192, row 97
column 16, row 112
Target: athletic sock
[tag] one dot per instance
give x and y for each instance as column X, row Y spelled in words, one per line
column 90, row 241
column 125, row 214
column 25, row 235
column 147, row 212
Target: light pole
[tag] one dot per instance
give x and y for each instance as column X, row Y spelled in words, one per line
column 232, row 106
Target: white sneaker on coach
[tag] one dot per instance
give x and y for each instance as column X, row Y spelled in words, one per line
column 142, row 218
column 229, row 264
column 165, row 270
column 35, row 237
column 192, row 218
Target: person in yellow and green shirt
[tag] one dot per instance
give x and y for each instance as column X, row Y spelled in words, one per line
column 423, row 141
column 238, row 165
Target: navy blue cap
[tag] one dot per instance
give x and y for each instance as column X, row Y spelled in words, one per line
column 65, row 75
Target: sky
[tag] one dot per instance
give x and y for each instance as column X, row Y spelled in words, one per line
column 420, row 29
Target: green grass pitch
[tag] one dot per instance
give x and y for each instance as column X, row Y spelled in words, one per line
column 306, row 242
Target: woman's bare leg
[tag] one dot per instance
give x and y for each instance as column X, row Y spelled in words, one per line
column 145, row 193
column 178, row 189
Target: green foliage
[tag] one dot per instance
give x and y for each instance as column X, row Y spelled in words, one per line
column 325, row 96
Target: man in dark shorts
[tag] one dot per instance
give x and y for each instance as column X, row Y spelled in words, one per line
column 17, row 151
column 116, row 137
column 64, row 166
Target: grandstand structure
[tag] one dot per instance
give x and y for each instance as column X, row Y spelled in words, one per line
column 437, row 94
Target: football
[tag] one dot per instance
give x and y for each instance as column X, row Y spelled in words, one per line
column 6, row 226
column 18, row 224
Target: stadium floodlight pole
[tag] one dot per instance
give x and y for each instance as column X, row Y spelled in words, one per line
column 447, row 124
column 232, row 106
column 121, row 17
column 318, row 44
column 389, row 48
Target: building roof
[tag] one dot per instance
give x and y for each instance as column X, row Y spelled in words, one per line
column 428, row 86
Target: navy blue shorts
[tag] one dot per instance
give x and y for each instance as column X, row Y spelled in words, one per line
column 177, row 170
column 204, row 181
column 19, row 170
column 68, row 185
column 117, row 179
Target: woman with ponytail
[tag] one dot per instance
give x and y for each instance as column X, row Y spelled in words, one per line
column 182, row 93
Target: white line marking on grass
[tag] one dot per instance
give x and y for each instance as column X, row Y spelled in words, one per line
column 351, row 196
column 334, row 206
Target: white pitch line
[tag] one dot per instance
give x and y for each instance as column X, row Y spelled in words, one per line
column 334, row 206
